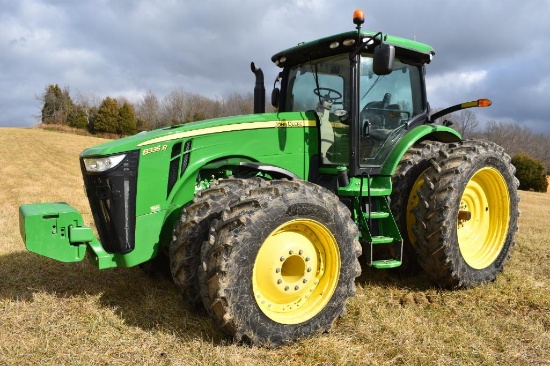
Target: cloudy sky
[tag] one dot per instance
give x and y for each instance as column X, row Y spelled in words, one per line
column 497, row 49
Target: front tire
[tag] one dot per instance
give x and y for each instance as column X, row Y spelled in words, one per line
column 280, row 263
column 469, row 210
column 191, row 230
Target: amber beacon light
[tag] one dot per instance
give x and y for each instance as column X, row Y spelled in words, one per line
column 358, row 17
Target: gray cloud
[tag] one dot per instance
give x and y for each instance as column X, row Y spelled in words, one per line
column 124, row 48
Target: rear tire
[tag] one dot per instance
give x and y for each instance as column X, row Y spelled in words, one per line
column 280, row 263
column 191, row 230
column 406, row 182
column 469, row 206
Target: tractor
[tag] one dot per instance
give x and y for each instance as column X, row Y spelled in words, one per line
column 263, row 219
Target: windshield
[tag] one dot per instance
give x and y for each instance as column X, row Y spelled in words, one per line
column 320, row 79
column 323, row 86
column 387, row 103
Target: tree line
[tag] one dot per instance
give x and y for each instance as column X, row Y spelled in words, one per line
column 515, row 139
column 121, row 117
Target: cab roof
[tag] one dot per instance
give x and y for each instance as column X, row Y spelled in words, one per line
column 306, row 51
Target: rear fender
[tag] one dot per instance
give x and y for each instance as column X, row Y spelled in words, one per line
column 423, row 132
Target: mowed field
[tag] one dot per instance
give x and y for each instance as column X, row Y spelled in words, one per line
column 73, row 314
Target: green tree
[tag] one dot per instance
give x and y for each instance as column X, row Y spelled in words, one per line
column 126, row 119
column 530, row 173
column 77, row 118
column 106, row 120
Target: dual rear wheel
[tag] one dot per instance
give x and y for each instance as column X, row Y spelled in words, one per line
column 461, row 210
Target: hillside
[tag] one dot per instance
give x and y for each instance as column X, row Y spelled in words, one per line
column 55, row 313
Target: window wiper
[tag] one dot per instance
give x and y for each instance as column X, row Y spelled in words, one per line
column 378, row 78
column 316, row 78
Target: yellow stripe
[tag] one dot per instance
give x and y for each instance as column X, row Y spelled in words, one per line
column 231, row 128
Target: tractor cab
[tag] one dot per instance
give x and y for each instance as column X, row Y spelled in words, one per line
column 367, row 91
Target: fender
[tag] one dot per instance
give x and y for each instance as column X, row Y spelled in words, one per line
column 423, row 132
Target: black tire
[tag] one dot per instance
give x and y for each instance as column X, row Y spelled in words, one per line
column 191, row 230
column 404, row 197
column 280, row 264
column 469, row 205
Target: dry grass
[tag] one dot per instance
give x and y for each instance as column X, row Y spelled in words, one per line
column 55, row 313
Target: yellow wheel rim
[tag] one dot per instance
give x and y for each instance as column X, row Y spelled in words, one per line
column 296, row 271
column 483, row 218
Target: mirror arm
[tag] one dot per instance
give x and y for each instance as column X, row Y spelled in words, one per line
column 363, row 42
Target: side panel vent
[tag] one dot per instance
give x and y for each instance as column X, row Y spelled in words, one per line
column 178, row 163
column 185, row 158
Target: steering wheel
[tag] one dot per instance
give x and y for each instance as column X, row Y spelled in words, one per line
column 328, row 95
column 380, row 115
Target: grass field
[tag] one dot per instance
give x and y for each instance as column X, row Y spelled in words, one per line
column 74, row 314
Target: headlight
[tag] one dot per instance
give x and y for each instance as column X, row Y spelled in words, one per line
column 97, row 165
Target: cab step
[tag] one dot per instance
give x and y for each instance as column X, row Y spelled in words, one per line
column 376, row 215
column 382, row 240
column 386, row 263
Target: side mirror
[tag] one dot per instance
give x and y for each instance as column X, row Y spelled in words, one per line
column 275, row 97
column 384, row 55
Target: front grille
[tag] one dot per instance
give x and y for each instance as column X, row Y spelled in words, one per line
column 112, row 197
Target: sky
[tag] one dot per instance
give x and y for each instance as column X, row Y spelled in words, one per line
column 495, row 49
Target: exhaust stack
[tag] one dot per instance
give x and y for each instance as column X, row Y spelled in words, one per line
column 259, row 89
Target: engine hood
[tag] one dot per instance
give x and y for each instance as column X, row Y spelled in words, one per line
column 217, row 125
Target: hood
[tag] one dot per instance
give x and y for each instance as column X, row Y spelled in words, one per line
column 217, row 125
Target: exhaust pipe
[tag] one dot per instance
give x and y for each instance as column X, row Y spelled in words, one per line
column 259, row 89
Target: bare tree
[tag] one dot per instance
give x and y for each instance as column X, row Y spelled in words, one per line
column 89, row 103
column 238, row 104
column 148, row 112
column 175, row 107
column 465, row 122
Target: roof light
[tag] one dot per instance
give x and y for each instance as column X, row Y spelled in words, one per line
column 368, row 41
column 358, row 17
column 334, row 45
column 349, row 42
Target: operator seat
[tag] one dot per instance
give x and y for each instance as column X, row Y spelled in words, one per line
column 327, row 132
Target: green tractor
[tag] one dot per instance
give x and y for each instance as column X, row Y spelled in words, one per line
column 262, row 218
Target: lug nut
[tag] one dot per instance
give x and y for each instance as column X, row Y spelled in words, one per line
column 296, row 287
column 279, row 281
column 282, row 259
column 307, row 259
column 309, row 269
column 277, row 270
column 290, row 252
column 301, row 252
column 286, row 288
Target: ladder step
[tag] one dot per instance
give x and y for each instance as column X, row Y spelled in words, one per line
column 377, row 215
column 386, row 263
column 382, row 240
